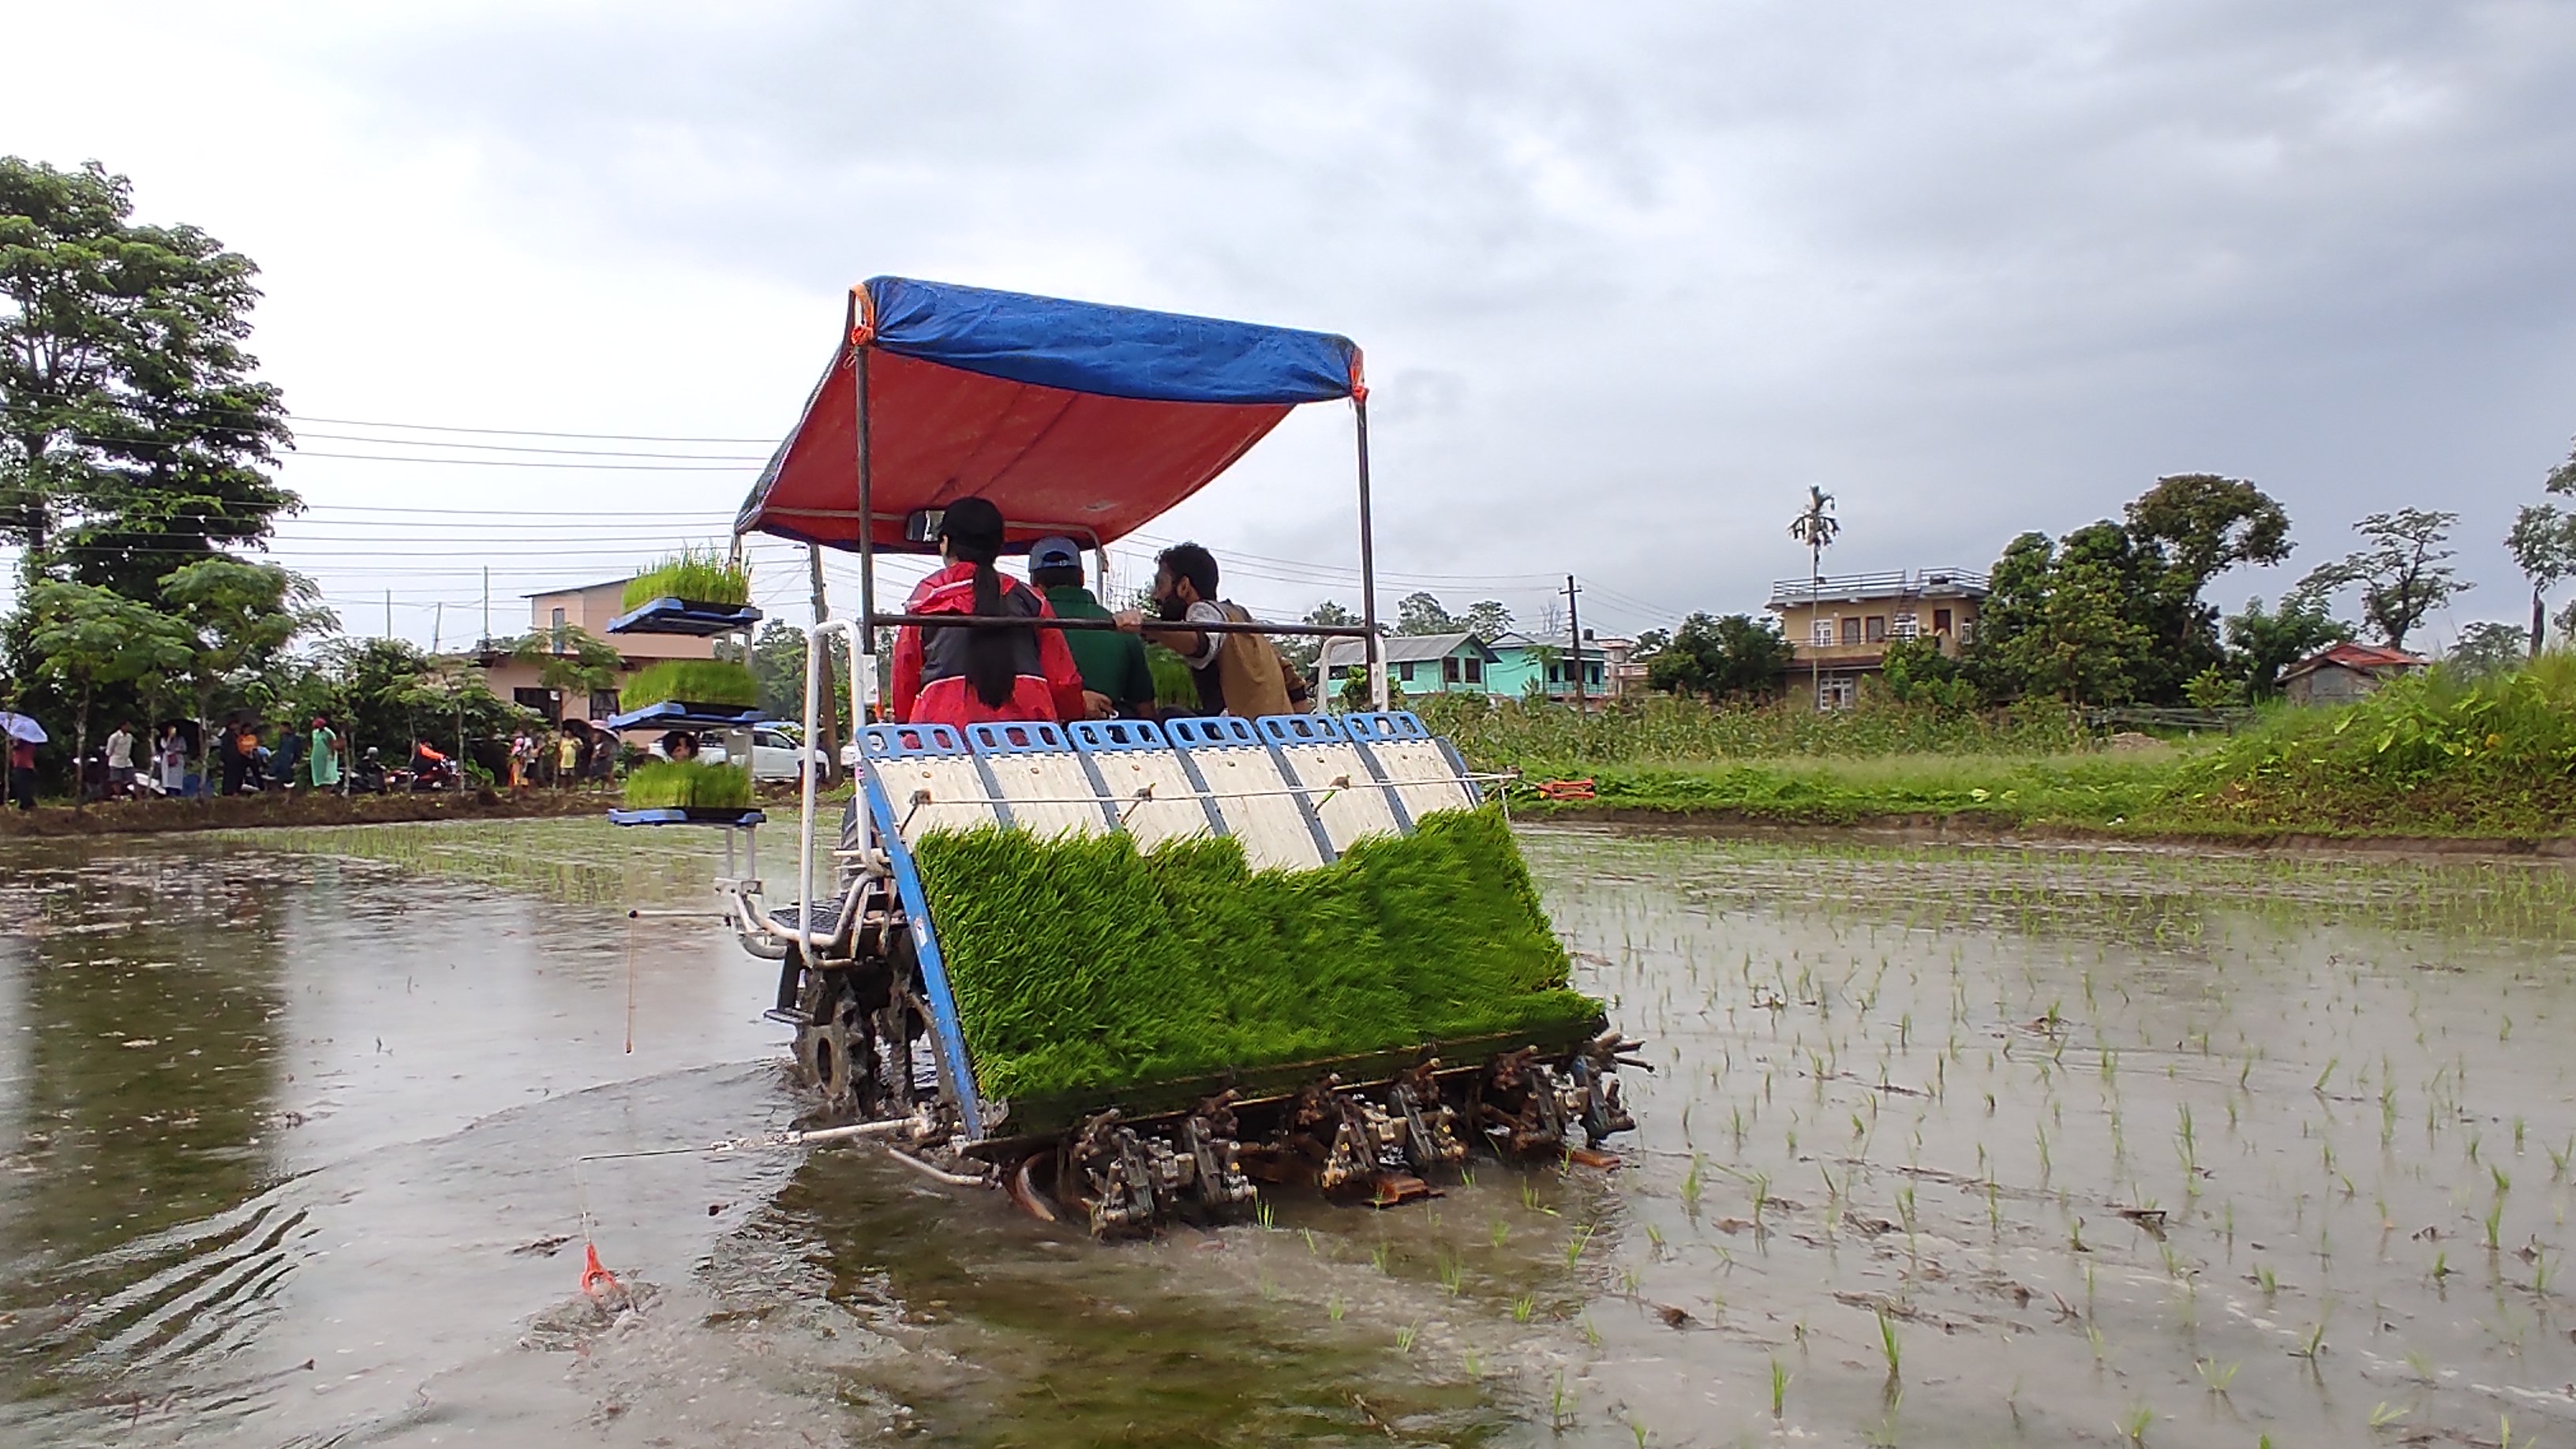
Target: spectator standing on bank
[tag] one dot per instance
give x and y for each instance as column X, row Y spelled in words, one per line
column 120, row 759
column 322, row 754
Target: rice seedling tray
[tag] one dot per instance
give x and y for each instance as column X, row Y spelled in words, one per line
column 687, row 815
column 698, row 618
column 1028, row 1122
column 675, row 714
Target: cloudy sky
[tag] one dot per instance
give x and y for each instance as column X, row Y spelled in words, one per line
column 1629, row 278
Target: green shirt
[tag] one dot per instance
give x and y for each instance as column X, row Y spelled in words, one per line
column 1110, row 663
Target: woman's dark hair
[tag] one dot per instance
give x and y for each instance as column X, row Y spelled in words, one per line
column 972, row 529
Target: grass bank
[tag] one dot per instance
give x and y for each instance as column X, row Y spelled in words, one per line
column 2441, row 756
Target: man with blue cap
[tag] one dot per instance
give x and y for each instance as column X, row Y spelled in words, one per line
column 1112, row 664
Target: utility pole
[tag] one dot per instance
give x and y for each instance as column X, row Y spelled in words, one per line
column 389, row 613
column 487, row 606
column 437, row 624
column 1574, row 631
column 829, row 726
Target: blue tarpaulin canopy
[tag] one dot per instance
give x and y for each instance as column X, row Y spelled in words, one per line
column 1072, row 417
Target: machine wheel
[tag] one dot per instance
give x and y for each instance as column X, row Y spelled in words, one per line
column 828, row 1048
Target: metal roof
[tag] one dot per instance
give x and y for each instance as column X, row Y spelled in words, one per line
column 1406, row 648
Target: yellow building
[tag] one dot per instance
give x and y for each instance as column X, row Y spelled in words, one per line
column 589, row 608
column 1838, row 627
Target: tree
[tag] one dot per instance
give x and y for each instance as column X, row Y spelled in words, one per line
column 2488, row 648
column 2261, row 644
column 242, row 616
column 2204, row 524
column 1303, row 650
column 1915, row 671
column 131, row 431
column 2401, row 573
column 572, row 660
column 778, row 667
column 1422, row 614
column 1487, row 619
column 88, row 638
column 1816, row 527
column 1721, row 657
column 2543, row 544
column 2062, row 621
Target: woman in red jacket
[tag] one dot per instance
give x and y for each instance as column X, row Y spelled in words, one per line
column 962, row 676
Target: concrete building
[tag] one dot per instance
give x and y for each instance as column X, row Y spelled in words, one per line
column 589, row 608
column 1839, row 627
column 1546, row 663
column 1415, row 663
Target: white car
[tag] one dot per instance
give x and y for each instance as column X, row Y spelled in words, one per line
column 775, row 753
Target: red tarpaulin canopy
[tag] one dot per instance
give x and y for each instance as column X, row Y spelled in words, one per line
column 1071, row 417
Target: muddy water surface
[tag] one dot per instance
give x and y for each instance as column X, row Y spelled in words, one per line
column 1945, row 1147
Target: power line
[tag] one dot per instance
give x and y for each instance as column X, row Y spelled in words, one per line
column 525, row 448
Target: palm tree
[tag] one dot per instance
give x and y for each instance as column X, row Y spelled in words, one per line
column 1815, row 528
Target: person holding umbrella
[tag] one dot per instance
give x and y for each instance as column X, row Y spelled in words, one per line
column 23, row 735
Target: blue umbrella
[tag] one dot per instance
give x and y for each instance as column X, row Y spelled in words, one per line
column 20, row 727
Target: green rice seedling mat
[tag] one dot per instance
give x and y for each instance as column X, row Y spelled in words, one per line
column 1081, row 964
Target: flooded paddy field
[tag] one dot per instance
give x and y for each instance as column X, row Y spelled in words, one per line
column 1945, row 1146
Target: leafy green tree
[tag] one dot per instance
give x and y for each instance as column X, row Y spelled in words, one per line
column 2543, row 544
column 1487, row 619
column 1423, row 614
column 778, row 667
column 2214, row 688
column 242, row 616
column 2488, row 648
column 571, row 660
column 1304, row 650
column 87, row 639
column 2062, row 621
column 2262, row 643
column 1915, row 671
column 1720, row 657
column 2202, row 524
column 2401, row 573
column 131, row 432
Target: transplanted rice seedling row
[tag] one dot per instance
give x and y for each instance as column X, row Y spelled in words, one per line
column 1084, row 963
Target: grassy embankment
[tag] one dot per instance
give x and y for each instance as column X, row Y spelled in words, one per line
column 2438, row 755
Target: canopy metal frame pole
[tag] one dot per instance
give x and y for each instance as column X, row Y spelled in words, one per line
column 1368, row 565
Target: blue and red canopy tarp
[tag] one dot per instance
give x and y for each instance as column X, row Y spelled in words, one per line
column 1072, row 417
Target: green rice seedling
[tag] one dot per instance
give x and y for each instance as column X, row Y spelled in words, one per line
column 1311, row 1250
column 1591, row 1334
column 691, row 681
column 1405, row 1336
column 2217, row 1375
column 2421, row 1367
column 1576, row 1242
column 1655, row 1237
column 2494, row 1221
column 2134, row 1424
column 2382, row 1415
column 687, row 784
column 2313, row 1344
column 1560, row 1403
column 1780, row 1377
column 1265, row 1215
column 1081, row 963
column 1334, row 1308
column 1523, row 1307
column 1889, row 1349
column 2441, row 1265
column 704, row 577
column 1379, row 1254
column 1693, row 1182
column 1453, row 1274
column 1500, row 1232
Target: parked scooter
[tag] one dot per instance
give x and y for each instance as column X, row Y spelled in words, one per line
column 367, row 775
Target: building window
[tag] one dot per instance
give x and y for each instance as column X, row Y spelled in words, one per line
column 1475, row 670
column 603, row 703
column 1877, row 633
column 1851, row 630
column 1337, row 671
column 1903, row 626
column 1449, row 670
column 1836, row 691
column 1404, row 672
column 1940, row 621
column 558, row 624
column 1820, row 632
column 544, row 701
